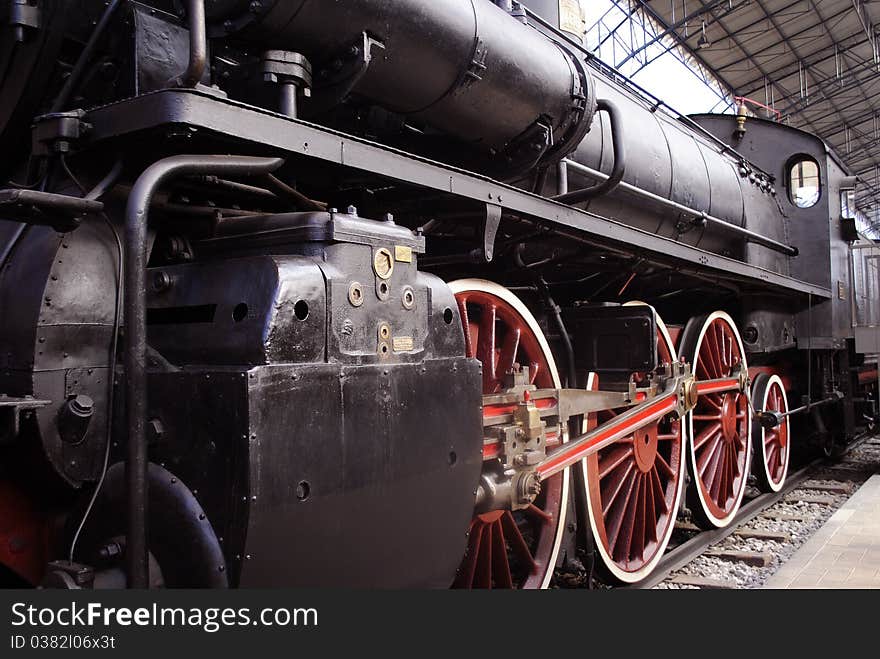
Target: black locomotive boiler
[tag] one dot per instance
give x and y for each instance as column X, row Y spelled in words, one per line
column 397, row 293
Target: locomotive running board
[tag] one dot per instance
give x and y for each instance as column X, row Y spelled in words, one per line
column 173, row 109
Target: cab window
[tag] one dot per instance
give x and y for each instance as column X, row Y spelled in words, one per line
column 803, row 183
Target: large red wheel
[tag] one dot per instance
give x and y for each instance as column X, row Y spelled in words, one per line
column 719, row 447
column 633, row 489
column 510, row 549
column 771, row 446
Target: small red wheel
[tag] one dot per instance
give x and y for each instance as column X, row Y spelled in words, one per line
column 510, row 549
column 633, row 489
column 771, row 446
column 719, row 447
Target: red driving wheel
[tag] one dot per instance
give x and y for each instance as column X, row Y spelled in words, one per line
column 510, row 549
column 633, row 489
column 719, row 445
column 772, row 446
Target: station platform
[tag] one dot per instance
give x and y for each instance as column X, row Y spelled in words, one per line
column 844, row 553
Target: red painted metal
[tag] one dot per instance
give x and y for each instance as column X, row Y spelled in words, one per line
column 868, row 377
column 612, row 432
column 720, row 431
column 718, row 386
column 782, row 369
column 776, row 440
column 24, row 534
column 509, row 549
column 634, row 486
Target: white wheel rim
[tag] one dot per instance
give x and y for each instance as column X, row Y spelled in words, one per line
column 634, row 576
column 726, row 519
column 775, row 487
column 502, row 293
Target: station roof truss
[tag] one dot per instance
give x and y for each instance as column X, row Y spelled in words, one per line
column 814, row 63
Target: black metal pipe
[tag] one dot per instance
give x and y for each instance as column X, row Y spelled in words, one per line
column 574, row 425
column 198, row 45
column 283, row 190
column 238, row 188
column 700, row 216
column 810, row 406
column 106, row 183
column 50, row 201
column 617, row 170
column 84, row 58
column 136, row 217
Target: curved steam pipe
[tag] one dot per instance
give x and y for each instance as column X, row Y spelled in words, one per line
column 198, row 45
column 136, row 216
column 619, row 168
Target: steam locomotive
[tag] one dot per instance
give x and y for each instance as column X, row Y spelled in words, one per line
column 396, row 293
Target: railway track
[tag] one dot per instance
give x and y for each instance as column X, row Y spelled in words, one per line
column 764, row 524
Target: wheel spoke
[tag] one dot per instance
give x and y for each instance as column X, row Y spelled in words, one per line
column 470, row 344
column 629, row 521
column 534, row 511
column 731, row 355
column 724, row 475
column 708, row 433
column 617, row 514
column 650, row 510
column 709, row 456
column 612, row 491
column 484, row 562
column 516, row 541
column 660, row 461
column 506, row 550
column 500, row 565
column 710, row 399
column 616, row 457
column 702, row 372
column 711, row 351
column 637, row 544
column 772, row 454
column 716, row 472
column 486, row 347
column 659, row 493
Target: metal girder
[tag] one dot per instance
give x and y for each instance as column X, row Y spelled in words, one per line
column 202, row 111
column 757, row 83
column 848, row 97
